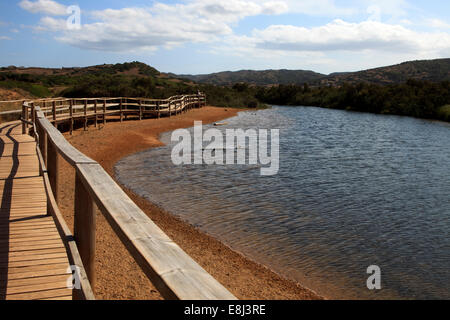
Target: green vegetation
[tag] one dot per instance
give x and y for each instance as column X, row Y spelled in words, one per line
column 260, row 78
column 133, row 79
column 425, row 70
column 36, row 89
column 421, row 99
column 444, row 113
column 239, row 96
column 417, row 98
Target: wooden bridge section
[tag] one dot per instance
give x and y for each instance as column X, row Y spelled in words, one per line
column 33, row 259
column 98, row 110
column 39, row 255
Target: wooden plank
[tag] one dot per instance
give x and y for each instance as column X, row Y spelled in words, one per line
column 34, row 257
column 29, row 235
column 21, row 283
column 61, row 284
column 14, row 139
column 53, row 270
column 32, row 239
column 19, row 271
column 28, row 263
column 55, row 244
column 36, row 252
column 60, row 298
column 44, row 294
column 33, row 231
column 31, row 226
column 18, row 245
column 19, row 225
column 45, row 220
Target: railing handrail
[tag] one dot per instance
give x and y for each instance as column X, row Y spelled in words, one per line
column 173, row 272
column 51, row 100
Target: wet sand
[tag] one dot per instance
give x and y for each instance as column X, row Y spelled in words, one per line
column 118, row 276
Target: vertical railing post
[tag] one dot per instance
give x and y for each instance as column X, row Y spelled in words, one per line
column 71, row 116
column 85, row 114
column 33, row 116
column 95, row 111
column 84, row 228
column 27, row 112
column 53, row 167
column 42, row 141
column 140, row 110
column 24, row 128
column 104, row 111
column 158, row 105
column 170, row 109
column 121, row 110
column 54, row 114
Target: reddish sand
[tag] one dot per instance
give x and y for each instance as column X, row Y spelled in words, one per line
column 118, row 276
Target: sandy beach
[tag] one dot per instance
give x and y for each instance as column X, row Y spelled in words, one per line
column 118, row 276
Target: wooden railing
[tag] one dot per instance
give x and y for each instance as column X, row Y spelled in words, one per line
column 60, row 111
column 174, row 273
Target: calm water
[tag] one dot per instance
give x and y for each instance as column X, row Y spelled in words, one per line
column 353, row 190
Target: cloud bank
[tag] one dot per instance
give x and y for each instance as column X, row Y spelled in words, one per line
column 213, row 22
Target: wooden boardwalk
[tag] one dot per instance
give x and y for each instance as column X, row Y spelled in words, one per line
column 33, row 258
column 36, row 245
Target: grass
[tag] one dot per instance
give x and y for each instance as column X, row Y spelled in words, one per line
column 35, row 89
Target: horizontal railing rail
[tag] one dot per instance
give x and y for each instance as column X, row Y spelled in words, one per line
column 172, row 271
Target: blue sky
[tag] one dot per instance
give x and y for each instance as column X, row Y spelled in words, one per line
column 204, row 36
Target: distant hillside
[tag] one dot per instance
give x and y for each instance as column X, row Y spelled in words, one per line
column 128, row 68
column 133, row 79
column 425, row 70
column 102, row 80
column 429, row 70
column 260, row 78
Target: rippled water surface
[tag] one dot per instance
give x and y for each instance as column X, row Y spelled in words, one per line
column 353, row 190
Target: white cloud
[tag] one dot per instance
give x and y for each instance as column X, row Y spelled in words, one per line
column 388, row 36
column 392, row 8
column 5, row 38
column 51, row 24
column 320, row 8
column 375, row 9
column 438, row 24
column 336, row 46
column 134, row 29
column 344, row 36
column 47, row 7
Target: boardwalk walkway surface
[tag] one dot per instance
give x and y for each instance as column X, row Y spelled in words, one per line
column 33, row 259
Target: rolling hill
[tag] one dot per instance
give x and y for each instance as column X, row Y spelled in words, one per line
column 429, row 70
column 425, row 70
column 260, row 78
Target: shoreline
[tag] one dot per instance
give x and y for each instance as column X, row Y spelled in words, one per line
column 246, row 279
